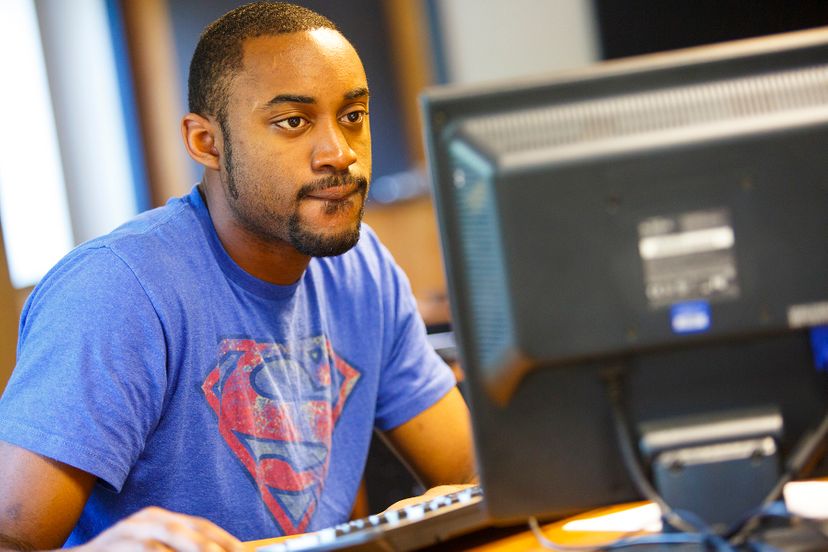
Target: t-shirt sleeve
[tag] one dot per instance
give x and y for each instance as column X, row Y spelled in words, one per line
column 90, row 376
column 413, row 377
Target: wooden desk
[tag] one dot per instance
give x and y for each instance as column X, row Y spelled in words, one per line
column 524, row 541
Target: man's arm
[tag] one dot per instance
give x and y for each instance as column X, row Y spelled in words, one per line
column 437, row 443
column 42, row 499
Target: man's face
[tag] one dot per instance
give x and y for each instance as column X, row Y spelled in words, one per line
column 297, row 145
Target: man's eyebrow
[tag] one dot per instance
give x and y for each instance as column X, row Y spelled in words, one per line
column 357, row 93
column 361, row 92
column 291, row 98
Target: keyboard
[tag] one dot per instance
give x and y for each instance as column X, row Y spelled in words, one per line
column 409, row 528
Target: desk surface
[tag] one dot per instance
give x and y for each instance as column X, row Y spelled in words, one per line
column 524, row 540
column 803, row 498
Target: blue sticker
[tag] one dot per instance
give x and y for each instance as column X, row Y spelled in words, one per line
column 690, row 317
column 819, row 346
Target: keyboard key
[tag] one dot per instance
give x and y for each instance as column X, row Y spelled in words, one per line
column 465, row 495
column 392, row 517
column 415, row 512
column 438, row 503
column 326, row 535
column 342, row 529
column 358, row 523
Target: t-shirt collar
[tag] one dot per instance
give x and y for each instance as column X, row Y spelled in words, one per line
column 230, row 268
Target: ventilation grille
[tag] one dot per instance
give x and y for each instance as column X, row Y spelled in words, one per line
column 652, row 112
column 482, row 262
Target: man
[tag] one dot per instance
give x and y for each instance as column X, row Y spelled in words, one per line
column 227, row 356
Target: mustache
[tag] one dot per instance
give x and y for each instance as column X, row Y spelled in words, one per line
column 333, row 181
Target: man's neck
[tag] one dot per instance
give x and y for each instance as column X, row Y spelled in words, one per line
column 275, row 262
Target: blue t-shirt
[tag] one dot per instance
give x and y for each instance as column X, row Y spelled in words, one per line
column 151, row 360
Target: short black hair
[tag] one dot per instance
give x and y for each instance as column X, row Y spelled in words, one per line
column 219, row 55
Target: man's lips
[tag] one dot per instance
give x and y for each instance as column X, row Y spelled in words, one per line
column 334, row 193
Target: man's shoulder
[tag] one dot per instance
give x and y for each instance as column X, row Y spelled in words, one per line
column 173, row 221
column 160, row 236
column 155, row 238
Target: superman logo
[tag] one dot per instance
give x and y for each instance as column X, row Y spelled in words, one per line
column 277, row 406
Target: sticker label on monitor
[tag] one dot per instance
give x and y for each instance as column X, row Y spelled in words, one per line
column 807, row 315
column 690, row 317
column 688, row 256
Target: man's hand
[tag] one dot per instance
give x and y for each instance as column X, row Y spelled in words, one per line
column 159, row 529
column 439, row 490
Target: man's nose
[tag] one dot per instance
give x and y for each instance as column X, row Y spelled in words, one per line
column 332, row 152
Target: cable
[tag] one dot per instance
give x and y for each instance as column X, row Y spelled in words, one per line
column 619, row 419
column 778, row 510
column 803, row 453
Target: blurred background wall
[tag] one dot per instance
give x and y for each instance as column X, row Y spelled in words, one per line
column 93, row 91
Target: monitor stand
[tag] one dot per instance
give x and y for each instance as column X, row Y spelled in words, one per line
column 717, row 468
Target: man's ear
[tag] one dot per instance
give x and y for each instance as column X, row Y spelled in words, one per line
column 199, row 135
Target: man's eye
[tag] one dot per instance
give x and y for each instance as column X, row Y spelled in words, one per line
column 292, row 123
column 354, row 117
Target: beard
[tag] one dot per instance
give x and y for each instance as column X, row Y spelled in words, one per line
column 271, row 225
column 309, row 242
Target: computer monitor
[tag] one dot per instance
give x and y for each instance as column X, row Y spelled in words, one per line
column 639, row 245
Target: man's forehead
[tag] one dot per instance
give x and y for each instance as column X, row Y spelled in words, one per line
column 290, row 51
column 319, row 63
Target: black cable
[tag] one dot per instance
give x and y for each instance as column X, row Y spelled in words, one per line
column 803, row 453
column 612, row 379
